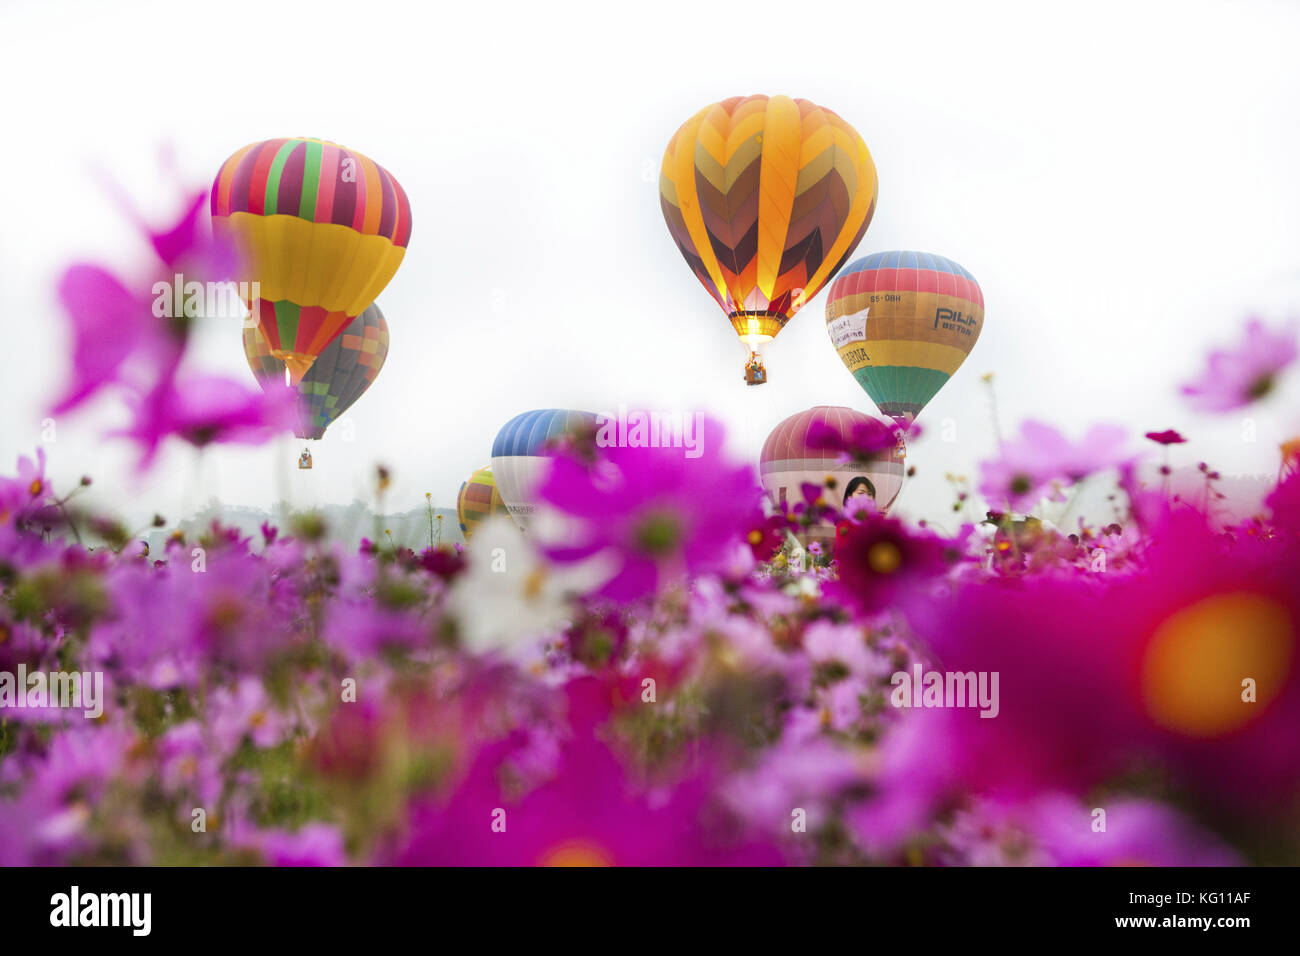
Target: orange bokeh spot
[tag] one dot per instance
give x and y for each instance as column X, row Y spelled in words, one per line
column 884, row 557
column 1196, row 661
column 577, row 853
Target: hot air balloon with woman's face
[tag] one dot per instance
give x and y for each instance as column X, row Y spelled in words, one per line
column 766, row 197
column 339, row 376
column 902, row 323
column 321, row 230
column 793, row 457
column 522, row 451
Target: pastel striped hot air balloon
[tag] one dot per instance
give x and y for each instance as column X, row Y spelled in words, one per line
column 321, row 229
column 788, row 461
column 339, row 376
column 521, row 451
column 903, row 322
column 478, row 498
column 766, row 197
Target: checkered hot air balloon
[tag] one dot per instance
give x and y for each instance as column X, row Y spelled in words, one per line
column 339, row 376
column 902, row 323
column 321, row 230
column 766, row 197
column 478, row 498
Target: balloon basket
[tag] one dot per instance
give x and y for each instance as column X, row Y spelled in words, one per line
column 755, row 372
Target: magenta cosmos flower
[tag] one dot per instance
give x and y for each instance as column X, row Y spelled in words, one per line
column 590, row 813
column 1166, row 437
column 202, row 409
column 1236, row 377
column 880, row 560
column 657, row 512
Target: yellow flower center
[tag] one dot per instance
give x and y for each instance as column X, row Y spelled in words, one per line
column 884, row 557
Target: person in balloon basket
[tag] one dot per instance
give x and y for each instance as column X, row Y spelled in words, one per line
column 755, row 373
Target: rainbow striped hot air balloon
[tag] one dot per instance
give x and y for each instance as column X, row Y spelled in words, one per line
column 321, row 229
column 478, row 498
column 339, row 376
column 788, row 461
column 903, row 322
column 522, row 449
column 766, row 197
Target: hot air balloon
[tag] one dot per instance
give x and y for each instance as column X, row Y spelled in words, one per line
column 788, row 461
column 766, row 198
column 521, row 450
column 478, row 498
column 902, row 323
column 338, row 377
column 321, row 229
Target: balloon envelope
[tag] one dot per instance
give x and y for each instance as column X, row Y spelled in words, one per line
column 321, row 229
column 338, row 377
column 479, row 497
column 766, row 197
column 788, row 461
column 522, row 449
column 902, row 323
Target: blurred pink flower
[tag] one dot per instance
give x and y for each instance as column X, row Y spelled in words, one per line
column 1026, row 467
column 1166, row 437
column 315, row 844
column 202, row 409
column 111, row 328
column 660, row 514
column 1236, row 377
column 880, row 561
column 590, row 813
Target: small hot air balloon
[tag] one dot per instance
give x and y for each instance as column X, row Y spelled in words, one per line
column 788, row 461
column 338, row 377
column 766, row 198
column 903, row 322
column 522, row 449
column 321, row 229
column 478, row 498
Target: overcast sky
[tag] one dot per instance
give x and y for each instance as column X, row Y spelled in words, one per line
column 1121, row 178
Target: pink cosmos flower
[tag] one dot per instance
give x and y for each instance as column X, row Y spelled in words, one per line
column 1236, row 377
column 315, row 844
column 1026, row 467
column 866, row 439
column 245, row 710
column 880, row 560
column 590, row 813
column 202, row 409
column 1166, row 437
column 658, row 513
column 1056, row 830
column 121, row 342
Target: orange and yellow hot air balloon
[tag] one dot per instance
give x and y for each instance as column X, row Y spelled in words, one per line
column 321, row 229
column 766, row 197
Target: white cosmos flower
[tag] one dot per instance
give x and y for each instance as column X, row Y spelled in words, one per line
column 509, row 594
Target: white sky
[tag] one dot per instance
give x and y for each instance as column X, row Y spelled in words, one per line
column 1121, row 178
